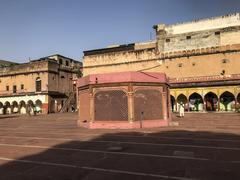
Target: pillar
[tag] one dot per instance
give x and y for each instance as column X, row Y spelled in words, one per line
column 91, row 107
column 130, row 107
column 204, row 105
column 165, row 106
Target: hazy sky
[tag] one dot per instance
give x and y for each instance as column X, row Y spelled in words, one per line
column 38, row 28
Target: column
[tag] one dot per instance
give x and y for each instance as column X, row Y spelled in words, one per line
column 130, row 107
column 204, row 105
column 164, row 105
column 91, row 107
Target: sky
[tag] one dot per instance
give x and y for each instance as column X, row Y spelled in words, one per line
column 38, row 28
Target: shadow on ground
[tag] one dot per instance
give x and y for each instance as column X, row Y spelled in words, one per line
column 175, row 154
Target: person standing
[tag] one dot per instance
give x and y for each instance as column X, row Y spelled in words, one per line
column 181, row 109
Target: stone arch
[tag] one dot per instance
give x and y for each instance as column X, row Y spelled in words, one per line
column 22, row 107
column 238, row 98
column 195, row 102
column 211, row 100
column 182, row 99
column 7, row 108
column 173, row 103
column 1, row 108
column 14, row 107
column 30, row 107
column 38, row 104
column 227, row 101
column 238, row 103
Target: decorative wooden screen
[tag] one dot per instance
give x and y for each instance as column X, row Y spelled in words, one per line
column 148, row 104
column 111, row 105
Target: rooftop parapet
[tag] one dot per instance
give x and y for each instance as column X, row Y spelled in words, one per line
column 218, row 22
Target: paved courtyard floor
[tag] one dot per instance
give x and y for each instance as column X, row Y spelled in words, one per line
column 51, row 147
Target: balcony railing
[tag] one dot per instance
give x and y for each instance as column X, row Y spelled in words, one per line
column 205, row 78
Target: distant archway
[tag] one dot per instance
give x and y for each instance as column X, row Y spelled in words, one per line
column 22, row 107
column 30, row 107
column 38, row 106
column 14, row 107
column 238, row 103
column 227, row 101
column 195, row 102
column 7, row 108
column 182, row 99
column 211, row 100
column 173, row 101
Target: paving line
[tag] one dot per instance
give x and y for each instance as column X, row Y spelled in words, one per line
column 108, row 152
column 126, row 142
column 145, row 135
column 96, row 169
column 137, row 136
column 137, row 173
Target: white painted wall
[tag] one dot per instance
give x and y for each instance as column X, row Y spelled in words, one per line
column 33, row 98
column 205, row 24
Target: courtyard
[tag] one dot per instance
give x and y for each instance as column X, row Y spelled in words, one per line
column 46, row 147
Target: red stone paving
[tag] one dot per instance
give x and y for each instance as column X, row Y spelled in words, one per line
column 46, row 147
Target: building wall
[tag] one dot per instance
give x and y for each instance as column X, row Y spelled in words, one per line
column 205, row 24
column 210, row 55
column 25, row 74
column 56, row 86
column 204, row 63
column 60, row 78
column 203, row 33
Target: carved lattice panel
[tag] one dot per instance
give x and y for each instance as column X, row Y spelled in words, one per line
column 148, row 104
column 111, row 105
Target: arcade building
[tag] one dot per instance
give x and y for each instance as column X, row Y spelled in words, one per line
column 45, row 85
column 200, row 57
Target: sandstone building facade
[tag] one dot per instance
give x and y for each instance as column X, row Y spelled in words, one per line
column 201, row 59
column 44, row 85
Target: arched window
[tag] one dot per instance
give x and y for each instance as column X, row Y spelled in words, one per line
column 38, row 85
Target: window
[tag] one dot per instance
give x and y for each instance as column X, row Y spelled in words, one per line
column 167, row 40
column 188, row 37
column 60, row 61
column 217, row 33
column 14, row 89
column 223, row 72
column 7, row 88
column 225, row 61
column 38, row 85
column 22, row 86
column 180, row 65
column 62, row 77
column 67, row 63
